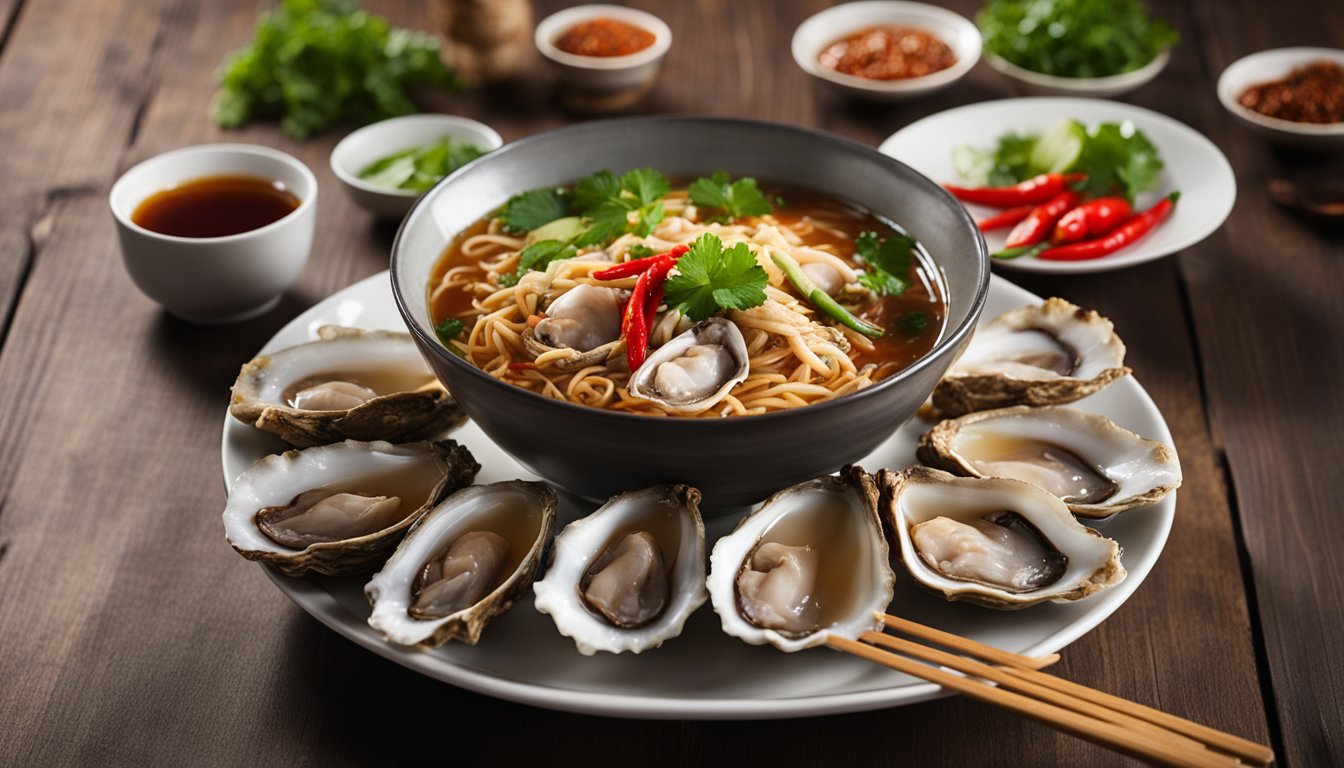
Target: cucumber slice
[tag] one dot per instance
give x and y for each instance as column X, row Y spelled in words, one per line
column 1058, row 148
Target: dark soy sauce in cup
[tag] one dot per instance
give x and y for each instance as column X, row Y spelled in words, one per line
column 215, row 206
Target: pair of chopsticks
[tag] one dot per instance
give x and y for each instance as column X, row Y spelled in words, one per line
column 1016, row 683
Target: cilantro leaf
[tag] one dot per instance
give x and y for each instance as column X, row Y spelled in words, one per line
column 1117, row 158
column 646, row 184
column 606, row 222
column 649, row 217
column 538, row 256
column 640, row 251
column 735, row 199
column 596, row 190
column 531, row 209
column 887, row 262
column 1008, row 163
column 449, row 329
column 711, row 279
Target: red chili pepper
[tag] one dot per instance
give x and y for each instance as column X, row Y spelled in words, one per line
column 1125, row 234
column 1091, row 219
column 1005, row 219
column 1036, row 190
column 640, row 312
column 637, row 266
column 1038, row 224
column 522, row 366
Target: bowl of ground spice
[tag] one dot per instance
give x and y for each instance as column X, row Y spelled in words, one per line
column 1292, row 95
column 605, row 57
column 886, row 50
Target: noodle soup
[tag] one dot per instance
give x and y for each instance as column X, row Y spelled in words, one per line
column 799, row 346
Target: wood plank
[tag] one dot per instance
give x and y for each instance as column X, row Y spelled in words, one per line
column 1265, row 299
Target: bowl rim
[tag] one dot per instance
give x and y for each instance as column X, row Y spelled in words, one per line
column 550, row 27
column 1081, row 85
column 1255, row 60
column 950, row 339
column 125, row 218
column 897, row 8
column 365, row 133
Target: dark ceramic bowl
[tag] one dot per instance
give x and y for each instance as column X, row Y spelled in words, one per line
column 733, row 461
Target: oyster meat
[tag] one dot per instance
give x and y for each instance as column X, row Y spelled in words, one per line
column 811, row 561
column 349, row 384
column 626, row 577
column 1035, row 355
column 1095, row 466
column 463, row 564
column 339, row 508
column 580, row 328
column 695, row 370
column 999, row 543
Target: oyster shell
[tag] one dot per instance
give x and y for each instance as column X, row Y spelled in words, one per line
column 695, row 370
column 463, row 564
column 349, row 384
column 1095, row 466
column 1035, row 355
column 998, row 543
column 339, row 508
column 581, row 328
column 626, row 577
column 810, row 562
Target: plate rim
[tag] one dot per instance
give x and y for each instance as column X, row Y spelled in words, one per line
column 321, row 604
column 1222, row 168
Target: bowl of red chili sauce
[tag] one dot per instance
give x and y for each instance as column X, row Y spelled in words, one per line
column 605, row 57
column 1292, row 95
column 887, row 50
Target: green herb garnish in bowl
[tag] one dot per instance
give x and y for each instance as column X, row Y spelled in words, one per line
column 419, row 168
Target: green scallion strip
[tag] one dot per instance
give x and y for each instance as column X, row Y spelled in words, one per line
column 822, row 300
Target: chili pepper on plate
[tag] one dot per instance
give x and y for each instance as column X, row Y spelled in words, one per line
column 1126, row 234
column 1034, row 190
column 1091, row 219
column 1041, row 221
column 1005, row 219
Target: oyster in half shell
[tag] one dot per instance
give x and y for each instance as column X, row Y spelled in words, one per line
column 1035, row 355
column 349, row 384
column 339, row 508
column 695, row 370
column 1095, row 466
column 580, row 328
column 999, row 543
column 811, row 561
column 626, row 577
column 463, row 564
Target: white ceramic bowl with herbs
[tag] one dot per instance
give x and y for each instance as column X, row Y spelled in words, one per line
column 386, row 166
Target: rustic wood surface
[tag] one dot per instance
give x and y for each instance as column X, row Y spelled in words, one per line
column 130, row 634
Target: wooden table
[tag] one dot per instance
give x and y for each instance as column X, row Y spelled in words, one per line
column 130, row 633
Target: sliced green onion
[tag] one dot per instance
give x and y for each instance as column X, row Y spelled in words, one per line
column 822, row 300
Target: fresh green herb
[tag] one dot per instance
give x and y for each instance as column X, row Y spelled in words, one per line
column 534, row 208
column 1074, row 38
column 733, row 198
column 607, row 203
column 779, row 201
column 448, row 330
column 820, row 299
column 886, row 263
column 538, row 256
column 420, row 168
column 641, row 251
column 914, row 322
column 1008, row 163
column 1117, row 158
column 711, row 278
column 314, row 63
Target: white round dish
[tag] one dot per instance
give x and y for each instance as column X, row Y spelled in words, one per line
column 703, row 674
column 1267, row 66
column 1194, row 166
column 837, row 22
column 365, row 146
column 1025, row 82
column 603, row 83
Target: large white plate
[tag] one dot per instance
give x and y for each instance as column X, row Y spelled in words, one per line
column 703, row 673
column 1194, row 167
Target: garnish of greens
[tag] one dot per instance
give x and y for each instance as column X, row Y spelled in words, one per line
column 420, row 168
column 1117, row 158
column 607, row 206
column 712, row 278
column 886, row 262
column 448, row 330
column 1074, row 38
column 314, row 63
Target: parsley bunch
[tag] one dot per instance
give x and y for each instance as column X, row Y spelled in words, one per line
column 314, row 63
column 1074, row 38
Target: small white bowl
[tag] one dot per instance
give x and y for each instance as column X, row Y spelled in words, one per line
column 603, row 83
column 1276, row 64
column 375, row 141
column 215, row 280
column 832, row 24
column 1025, row 82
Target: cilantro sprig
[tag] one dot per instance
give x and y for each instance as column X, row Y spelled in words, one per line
column 712, row 278
column 886, row 262
column 538, row 256
column 733, row 198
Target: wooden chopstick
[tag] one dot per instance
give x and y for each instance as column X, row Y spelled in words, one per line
column 1125, row 726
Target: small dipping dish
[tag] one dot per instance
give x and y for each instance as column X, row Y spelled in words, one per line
column 216, row 280
column 597, row 84
column 1268, row 66
column 373, row 142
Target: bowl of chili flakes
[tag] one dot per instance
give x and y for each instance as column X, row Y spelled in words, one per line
column 887, row 50
column 1293, row 96
column 605, row 58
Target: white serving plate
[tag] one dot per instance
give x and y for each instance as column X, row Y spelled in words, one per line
column 703, row 674
column 1194, row 166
